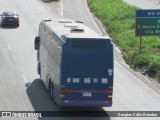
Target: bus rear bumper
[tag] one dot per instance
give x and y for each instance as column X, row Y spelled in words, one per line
column 76, row 103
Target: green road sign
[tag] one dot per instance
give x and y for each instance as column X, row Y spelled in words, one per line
column 147, row 26
column 147, row 22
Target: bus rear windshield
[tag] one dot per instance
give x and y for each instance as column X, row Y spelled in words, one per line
column 99, row 44
column 85, row 53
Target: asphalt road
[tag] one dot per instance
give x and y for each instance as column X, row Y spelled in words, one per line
column 78, row 10
column 18, row 65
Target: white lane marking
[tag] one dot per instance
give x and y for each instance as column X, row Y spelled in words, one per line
column 117, row 49
column 9, row 47
column 36, row 27
column 61, row 8
column 24, row 78
column 89, row 13
column 12, row 75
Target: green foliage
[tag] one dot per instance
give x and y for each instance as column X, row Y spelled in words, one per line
column 154, row 65
column 119, row 18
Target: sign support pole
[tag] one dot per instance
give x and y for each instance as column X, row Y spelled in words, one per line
column 140, row 47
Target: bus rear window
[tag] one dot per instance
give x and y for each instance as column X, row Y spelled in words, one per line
column 100, row 44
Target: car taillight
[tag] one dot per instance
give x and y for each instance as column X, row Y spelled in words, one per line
column 16, row 18
column 4, row 18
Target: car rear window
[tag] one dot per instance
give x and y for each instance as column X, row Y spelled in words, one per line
column 9, row 14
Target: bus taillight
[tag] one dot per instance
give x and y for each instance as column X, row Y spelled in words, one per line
column 110, row 91
column 63, row 91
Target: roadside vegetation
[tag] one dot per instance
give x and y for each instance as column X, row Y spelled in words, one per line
column 119, row 19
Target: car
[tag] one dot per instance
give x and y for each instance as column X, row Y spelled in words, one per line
column 10, row 18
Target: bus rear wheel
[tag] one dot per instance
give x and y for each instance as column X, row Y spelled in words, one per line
column 51, row 89
column 39, row 68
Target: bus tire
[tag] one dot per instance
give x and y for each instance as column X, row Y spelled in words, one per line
column 39, row 69
column 52, row 97
column 38, row 55
column 50, row 88
column 49, row 85
column 2, row 25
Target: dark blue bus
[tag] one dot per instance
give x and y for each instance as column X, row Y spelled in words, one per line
column 75, row 63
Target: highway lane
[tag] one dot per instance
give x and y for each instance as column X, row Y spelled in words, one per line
column 131, row 90
column 79, row 11
column 12, row 83
column 18, row 57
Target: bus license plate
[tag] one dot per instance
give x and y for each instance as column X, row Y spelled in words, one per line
column 87, row 94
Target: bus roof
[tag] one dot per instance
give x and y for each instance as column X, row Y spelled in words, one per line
column 71, row 29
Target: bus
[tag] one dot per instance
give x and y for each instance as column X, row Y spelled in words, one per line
column 75, row 63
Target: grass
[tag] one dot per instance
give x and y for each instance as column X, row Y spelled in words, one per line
column 119, row 18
